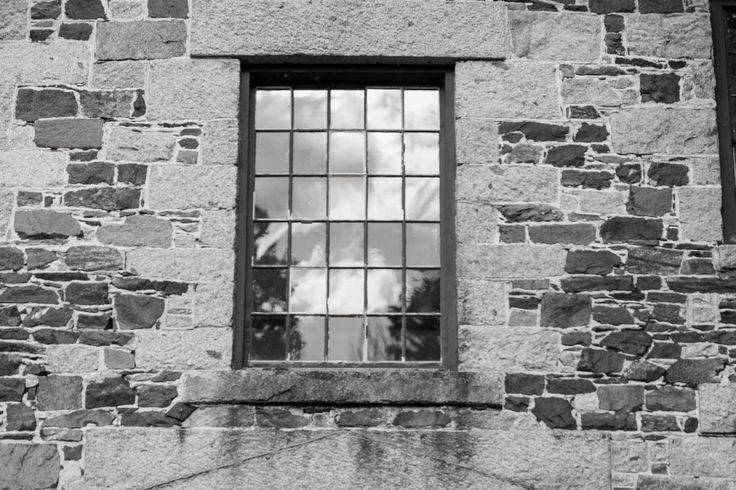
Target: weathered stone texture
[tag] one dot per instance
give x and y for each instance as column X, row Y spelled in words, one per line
column 675, row 36
column 219, row 142
column 699, row 210
column 476, row 140
column 510, row 261
column 183, row 264
column 482, row 302
column 13, row 20
column 200, row 348
column 350, row 28
column 504, row 349
column 193, row 89
column 717, row 410
column 140, row 40
column 703, row 457
column 510, row 89
column 45, row 223
column 139, row 144
column 29, row 465
column 137, row 231
column 554, row 36
column 72, row 359
column 506, row 183
column 34, row 169
column 44, row 63
column 68, row 133
column 184, row 187
column 218, row 229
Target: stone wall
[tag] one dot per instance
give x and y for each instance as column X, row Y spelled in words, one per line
column 597, row 309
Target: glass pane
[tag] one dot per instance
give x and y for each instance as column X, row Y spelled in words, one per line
column 384, row 108
column 346, row 109
column 347, row 198
column 384, row 153
column 422, row 245
column 271, row 197
column 423, row 291
column 421, row 109
column 269, row 289
column 347, row 153
column 345, row 339
column 308, row 290
column 273, row 109
column 383, row 338
column 384, row 198
column 346, row 244
column 270, row 243
column 272, row 153
column 310, row 109
column 308, row 243
column 384, row 291
column 269, row 338
column 423, row 199
column 422, row 338
column 307, row 338
column 309, row 198
column 346, row 291
column 384, row 244
column 422, row 153
column 310, row 153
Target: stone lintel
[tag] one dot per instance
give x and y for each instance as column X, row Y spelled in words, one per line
column 344, row 387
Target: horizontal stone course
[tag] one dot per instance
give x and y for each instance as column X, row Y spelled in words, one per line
column 140, row 40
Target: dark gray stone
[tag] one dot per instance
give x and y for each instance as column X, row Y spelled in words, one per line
column 369, row 417
column 660, row 6
column 98, row 321
column 577, row 284
column 627, row 398
column 19, row 416
column 137, row 311
column 84, row 9
column 279, row 417
column 9, row 316
column 421, row 419
column 561, row 310
column 524, row 383
column 556, row 413
column 629, row 173
column 171, row 9
column 612, row 315
column 68, row 133
column 57, row 392
column 93, row 258
column 669, row 174
column 582, row 112
column 652, row 260
column 11, row 389
column 87, row 293
column 530, row 212
column 104, row 337
column 535, row 130
column 52, row 317
column 600, row 361
column 29, row 294
column 80, row 419
column 76, row 31
column 659, row 423
column 39, row 258
column 608, row 421
column 91, row 173
column 27, row 466
column 11, row 258
column 33, row 104
column 566, row 156
column 137, row 231
column 156, row 395
column 49, row 9
column 671, row 399
column 689, row 284
column 692, row 372
column 589, row 133
column 567, row 233
column 663, row 88
column 590, row 179
column 45, row 223
column 591, row 262
column 9, row 364
column 52, row 336
column 624, row 229
column 29, row 198
column 610, row 6
column 107, row 198
column 633, row 342
column 649, row 201
column 644, row 371
column 109, row 392
column 613, row 23
column 569, row 386
column 132, row 173
column 107, row 104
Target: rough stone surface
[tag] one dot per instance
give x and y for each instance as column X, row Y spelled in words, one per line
column 349, row 28
column 482, row 302
column 184, row 187
column 185, row 265
column 152, row 40
column 29, row 465
column 512, row 261
column 485, row 348
column 694, row 371
column 663, row 130
column 560, row 310
column 133, row 311
column 201, row 348
column 675, row 36
column 193, row 89
column 13, row 20
column 554, row 36
column 131, row 143
column 700, row 213
column 72, row 358
column 137, row 231
column 506, row 183
column 32, row 169
column 476, row 140
column 45, row 223
column 93, row 258
column 717, row 411
column 31, row 104
column 68, row 133
column 703, row 457
column 45, row 63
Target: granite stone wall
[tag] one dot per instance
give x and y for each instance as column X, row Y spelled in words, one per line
column 596, row 302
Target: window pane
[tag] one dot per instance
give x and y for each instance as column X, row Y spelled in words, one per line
column 423, row 291
column 310, row 109
column 347, row 198
column 384, row 244
column 421, row 109
column 345, row 339
column 384, row 291
column 272, row 153
column 383, row 336
column 310, row 153
column 346, row 291
column 384, row 108
column 269, row 289
column 346, row 244
column 422, row 245
column 307, row 338
column 422, row 153
column 346, row 109
column 308, row 290
column 308, row 199
column 384, row 153
column 384, row 198
column 423, row 199
column 273, row 109
column 308, row 243
column 270, row 243
column 422, row 338
column 271, row 197
column 347, row 153
column 269, row 338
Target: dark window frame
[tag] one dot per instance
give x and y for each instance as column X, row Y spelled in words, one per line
column 726, row 123
column 346, row 76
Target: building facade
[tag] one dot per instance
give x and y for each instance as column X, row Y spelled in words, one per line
column 584, row 329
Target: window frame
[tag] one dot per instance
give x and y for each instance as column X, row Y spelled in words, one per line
column 345, row 76
column 725, row 121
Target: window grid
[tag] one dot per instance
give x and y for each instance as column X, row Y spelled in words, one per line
column 289, row 221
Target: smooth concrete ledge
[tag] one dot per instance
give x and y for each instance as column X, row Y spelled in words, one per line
column 406, row 29
column 344, row 387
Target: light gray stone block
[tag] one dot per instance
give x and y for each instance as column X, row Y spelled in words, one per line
column 186, row 186
column 199, row 348
column 506, row 183
column 703, row 456
column 35, row 169
column 139, row 144
column 549, row 36
column 485, row 348
column 482, row 302
column 143, row 39
column 699, row 211
column 44, row 63
column 191, row 265
column 669, row 36
column 13, row 20
column 476, row 140
column 717, row 408
column 518, row 261
column 350, row 28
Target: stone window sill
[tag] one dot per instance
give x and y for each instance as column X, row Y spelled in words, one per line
column 344, row 387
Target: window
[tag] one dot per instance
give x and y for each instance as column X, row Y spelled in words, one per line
column 723, row 18
column 349, row 228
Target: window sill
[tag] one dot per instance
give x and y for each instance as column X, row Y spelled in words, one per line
column 343, row 387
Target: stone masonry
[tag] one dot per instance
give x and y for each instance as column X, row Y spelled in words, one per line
column 596, row 301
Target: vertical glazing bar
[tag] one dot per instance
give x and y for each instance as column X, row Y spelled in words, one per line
column 327, row 226
column 403, row 233
column 365, row 226
column 287, row 340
